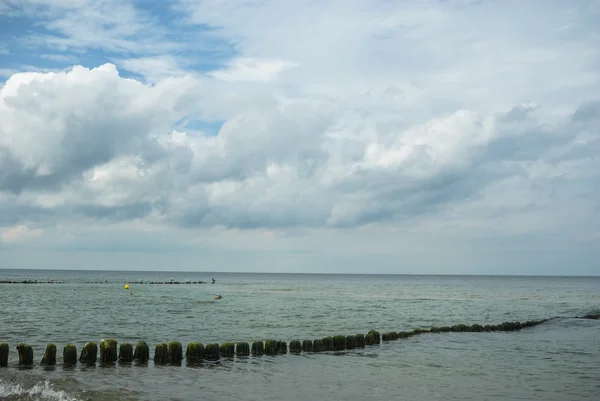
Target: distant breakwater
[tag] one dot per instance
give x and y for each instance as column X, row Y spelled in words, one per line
column 109, row 351
column 100, row 282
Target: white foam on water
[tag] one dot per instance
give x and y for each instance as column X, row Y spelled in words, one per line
column 41, row 391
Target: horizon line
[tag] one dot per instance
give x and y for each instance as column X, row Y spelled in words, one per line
column 308, row 273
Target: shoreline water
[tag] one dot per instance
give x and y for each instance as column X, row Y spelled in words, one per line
column 558, row 358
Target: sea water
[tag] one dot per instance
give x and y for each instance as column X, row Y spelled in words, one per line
column 557, row 360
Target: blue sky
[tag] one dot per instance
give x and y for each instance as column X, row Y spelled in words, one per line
column 340, row 136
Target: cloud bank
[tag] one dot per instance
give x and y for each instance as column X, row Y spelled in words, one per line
column 363, row 133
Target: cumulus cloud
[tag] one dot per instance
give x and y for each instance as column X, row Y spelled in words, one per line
column 91, row 143
column 387, row 118
column 19, row 233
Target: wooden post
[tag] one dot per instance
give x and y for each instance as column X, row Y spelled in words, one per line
column 212, row 352
column 194, row 352
column 4, row 348
column 142, row 352
column 89, row 353
column 339, row 343
column 242, row 349
column 108, row 351
column 25, row 354
column 350, row 340
column 308, row 346
column 160, row 354
column 295, row 347
column 70, row 355
column 49, row 357
column 227, row 350
column 258, row 348
column 270, row 347
column 125, row 352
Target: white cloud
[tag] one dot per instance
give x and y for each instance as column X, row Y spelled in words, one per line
column 245, row 69
column 154, row 68
column 363, row 128
column 19, row 233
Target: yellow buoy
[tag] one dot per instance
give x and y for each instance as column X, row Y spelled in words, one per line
column 126, row 286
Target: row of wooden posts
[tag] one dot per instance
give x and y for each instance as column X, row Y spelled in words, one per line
column 196, row 351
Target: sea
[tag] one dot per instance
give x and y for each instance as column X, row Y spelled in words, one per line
column 557, row 360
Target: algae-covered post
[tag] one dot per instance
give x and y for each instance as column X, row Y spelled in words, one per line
column 4, row 348
column 308, row 346
column 175, row 352
column 376, row 337
column 25, row 354
column 160, row 353
column 227, row 350
column 281, row 347
column 49, row 357
column 339, row 343
column 125, row 352
column 194, row 352
column 142, row 352
column 258, row 348
column 328, row 343
column 242, row 349
column 350, row 340
column 359, row 340
column 295, row 347
column 270, row 347
column 108, row 351
column 212, row 352
column 89, row 353
column 70, row 354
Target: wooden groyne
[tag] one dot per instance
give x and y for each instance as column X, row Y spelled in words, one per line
column 109, row 351
column 30, row 282
column 102, row 282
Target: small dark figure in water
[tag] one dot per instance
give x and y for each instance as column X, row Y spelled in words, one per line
column 213, row 280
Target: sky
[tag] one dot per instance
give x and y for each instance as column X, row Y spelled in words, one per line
column 354, row 136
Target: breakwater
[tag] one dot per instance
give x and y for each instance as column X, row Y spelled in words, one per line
column 101, row 282
column 109, row 351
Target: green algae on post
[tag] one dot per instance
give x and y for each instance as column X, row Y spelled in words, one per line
column 308, row 345
column 194, row 352
column 89, row 353
column 359, row 340
column 318, row 345
column 270, row 347
column 258, row 348
column 339, row 343
column 4, row 348
column 350, row 342
column 295, row 347
column 25, row 354
column 227, row 350
column 108, row 351
column 49, row 357
column 160, row 353
column 328, row 343
column 142, row 352
column 390, row 336
column 376, row 336
column 125, row 352
column 281, row 347
column 175, row 352
column 70, row 354
column 242, row 349
column 212, row 352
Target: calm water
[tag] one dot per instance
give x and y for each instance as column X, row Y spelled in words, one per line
column 557, row 360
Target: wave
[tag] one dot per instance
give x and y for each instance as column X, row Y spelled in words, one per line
column 40, row 391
